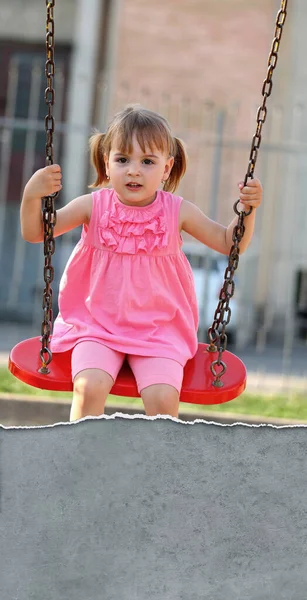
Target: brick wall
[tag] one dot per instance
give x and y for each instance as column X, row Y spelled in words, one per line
column 206, row 49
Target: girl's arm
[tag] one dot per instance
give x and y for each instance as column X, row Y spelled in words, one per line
column 214, row 235
column 43, row 183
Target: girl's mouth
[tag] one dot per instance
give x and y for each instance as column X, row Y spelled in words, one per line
column 133, row 186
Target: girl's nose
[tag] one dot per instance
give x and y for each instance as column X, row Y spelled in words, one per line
column 133, row 169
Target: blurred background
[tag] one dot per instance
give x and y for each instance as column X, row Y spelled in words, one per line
column 201, row 63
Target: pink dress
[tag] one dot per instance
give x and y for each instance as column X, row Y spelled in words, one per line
column 127, row 282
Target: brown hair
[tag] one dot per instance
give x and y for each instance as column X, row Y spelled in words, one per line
column 151, row 130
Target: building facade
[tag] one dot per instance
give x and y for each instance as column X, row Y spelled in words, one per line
column 199, row 62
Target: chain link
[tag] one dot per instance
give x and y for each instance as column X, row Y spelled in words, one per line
column 49, row 213
column 217, row 332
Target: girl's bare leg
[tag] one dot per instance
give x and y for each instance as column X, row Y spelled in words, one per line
column 91, row 389
column 160, row 399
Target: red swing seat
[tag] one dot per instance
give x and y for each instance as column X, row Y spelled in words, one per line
column 197, row 388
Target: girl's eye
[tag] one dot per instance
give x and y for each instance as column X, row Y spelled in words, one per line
column 122, row 159
column 147, row 161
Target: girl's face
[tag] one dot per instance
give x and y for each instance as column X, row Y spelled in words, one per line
column 136, row 177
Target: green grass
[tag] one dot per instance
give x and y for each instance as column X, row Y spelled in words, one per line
column 293, row 406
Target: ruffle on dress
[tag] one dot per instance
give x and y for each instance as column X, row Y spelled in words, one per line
column 131, row 230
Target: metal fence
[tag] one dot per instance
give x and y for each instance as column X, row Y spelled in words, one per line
column 271, row 284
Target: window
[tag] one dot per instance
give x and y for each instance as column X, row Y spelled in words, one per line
column 22, row 102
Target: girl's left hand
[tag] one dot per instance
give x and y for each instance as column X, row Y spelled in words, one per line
column 251, row 194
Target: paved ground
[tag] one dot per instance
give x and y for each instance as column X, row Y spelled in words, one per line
column 267, row 370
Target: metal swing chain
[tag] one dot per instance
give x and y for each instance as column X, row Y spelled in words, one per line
column 217, row 332
column 49, row 213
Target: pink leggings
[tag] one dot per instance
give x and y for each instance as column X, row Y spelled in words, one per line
column 147, row 370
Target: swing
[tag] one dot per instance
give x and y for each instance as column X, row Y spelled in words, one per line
column 214, row 375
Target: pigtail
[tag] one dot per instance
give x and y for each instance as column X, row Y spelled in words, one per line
column 179, row 166
column 97, row 151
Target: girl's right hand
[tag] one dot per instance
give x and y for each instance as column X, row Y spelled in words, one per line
column 45, row 182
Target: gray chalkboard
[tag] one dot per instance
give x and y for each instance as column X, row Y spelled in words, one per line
column 122, row 508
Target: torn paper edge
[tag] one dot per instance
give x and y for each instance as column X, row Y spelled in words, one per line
column 154, row 418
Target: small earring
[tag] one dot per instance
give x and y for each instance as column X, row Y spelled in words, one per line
column 163, row 181
column 108, row 177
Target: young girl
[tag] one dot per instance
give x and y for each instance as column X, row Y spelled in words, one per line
column 127, row 289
